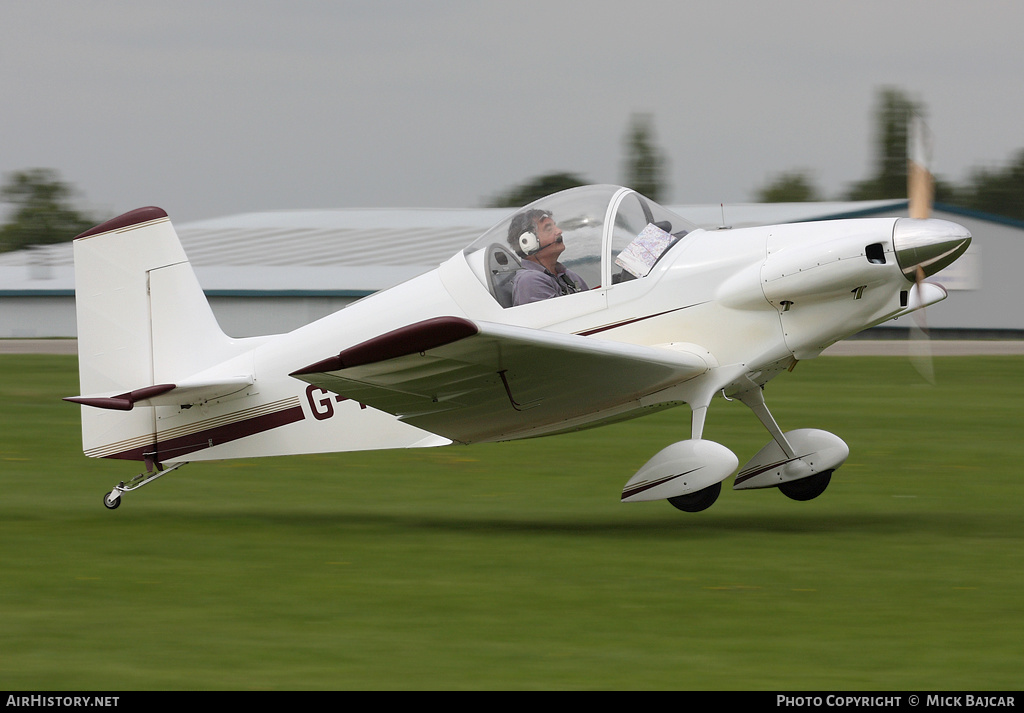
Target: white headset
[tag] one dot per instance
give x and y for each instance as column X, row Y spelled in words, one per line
column 529, row 243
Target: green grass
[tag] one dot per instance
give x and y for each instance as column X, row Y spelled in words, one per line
column 514, row 566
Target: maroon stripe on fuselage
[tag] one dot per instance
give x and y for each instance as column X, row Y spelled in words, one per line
column 623, row 323
column 182, row 445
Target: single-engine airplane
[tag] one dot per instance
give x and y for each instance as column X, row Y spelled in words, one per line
column 669, row 314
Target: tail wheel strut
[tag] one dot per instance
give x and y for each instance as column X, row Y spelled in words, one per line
column 113, row 499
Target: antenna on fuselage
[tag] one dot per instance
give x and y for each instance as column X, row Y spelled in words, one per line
column 724, row 225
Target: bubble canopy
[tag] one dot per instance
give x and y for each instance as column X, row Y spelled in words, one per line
column 611, row 235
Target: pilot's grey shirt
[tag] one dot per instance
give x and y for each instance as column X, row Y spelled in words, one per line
column 534, row 283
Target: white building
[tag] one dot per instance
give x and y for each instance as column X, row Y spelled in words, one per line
column 271, row 272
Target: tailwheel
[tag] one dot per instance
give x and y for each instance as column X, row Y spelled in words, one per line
column 700, row 500
column 807, row 488
column 112, row 499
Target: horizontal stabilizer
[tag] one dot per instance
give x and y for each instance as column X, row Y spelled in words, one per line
column 184, row 394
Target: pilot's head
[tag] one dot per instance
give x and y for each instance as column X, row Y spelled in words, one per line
column 533, row 232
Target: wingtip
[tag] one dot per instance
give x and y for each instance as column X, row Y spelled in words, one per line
column 413, row 338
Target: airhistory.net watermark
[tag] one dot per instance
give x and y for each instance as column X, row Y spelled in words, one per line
column 52, row 701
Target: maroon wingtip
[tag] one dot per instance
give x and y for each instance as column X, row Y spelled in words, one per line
column 132, row 217
column 411, row 339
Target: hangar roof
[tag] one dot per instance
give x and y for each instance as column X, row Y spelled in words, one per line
column 352, row 252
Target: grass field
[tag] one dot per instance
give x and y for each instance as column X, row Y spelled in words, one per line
column 514, row 566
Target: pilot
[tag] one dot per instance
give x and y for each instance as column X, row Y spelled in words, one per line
column 535, row 237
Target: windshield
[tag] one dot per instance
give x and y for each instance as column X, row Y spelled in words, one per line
column 605, row 235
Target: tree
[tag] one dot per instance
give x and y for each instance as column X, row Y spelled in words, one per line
column 789, row 187
column 42, row 210
column 645, row 164
column 892, row 119
column 536, row 188
column 998, row 191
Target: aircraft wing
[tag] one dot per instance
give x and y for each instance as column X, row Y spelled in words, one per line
column 474, row 381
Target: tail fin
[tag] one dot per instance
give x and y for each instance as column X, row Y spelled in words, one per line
column 143, row 325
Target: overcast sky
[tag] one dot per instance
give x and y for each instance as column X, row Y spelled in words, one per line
column 212, row 107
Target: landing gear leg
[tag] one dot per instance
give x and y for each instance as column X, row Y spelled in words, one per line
column 754, row 400
column 706, row 497
column 799, row 463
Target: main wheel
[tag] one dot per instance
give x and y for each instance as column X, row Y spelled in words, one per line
column 807, row 488
column 700, row 500
column 111, row 503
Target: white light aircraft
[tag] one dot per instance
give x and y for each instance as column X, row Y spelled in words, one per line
column 670, row 314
